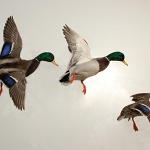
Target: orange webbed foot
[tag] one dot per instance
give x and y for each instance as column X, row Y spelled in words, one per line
column 73, row 77
column 134, row 125
column 1, row 89
column 84, row 87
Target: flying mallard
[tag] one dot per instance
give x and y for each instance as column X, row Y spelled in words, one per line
column 141, row 107
column 13, row 69
column 82, row 65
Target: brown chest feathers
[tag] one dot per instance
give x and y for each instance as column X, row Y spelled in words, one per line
column 103, row 63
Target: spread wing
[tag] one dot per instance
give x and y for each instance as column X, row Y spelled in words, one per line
column 17, row 91
column 12, row 39
column 140, row 96
column 77, row 46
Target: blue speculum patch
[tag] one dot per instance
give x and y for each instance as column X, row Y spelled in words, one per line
column 8, row 80
column 5, row 49
column 145, row 110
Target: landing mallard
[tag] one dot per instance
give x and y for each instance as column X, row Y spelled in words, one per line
column 82, row 65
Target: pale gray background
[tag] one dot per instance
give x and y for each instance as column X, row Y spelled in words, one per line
column 62, row 118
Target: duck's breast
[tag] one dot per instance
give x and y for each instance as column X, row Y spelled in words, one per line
column 85, row 70
column 103, row 63
column 32, row 67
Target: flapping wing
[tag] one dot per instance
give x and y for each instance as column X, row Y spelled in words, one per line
column 77, row 46
column 140, row 96
column 12, row 37
column 17, row 91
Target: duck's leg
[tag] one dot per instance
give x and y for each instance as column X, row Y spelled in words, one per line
column 84, row 87
column 73, row 77
column 134, row 125
column 1, row 89
column 129, row 119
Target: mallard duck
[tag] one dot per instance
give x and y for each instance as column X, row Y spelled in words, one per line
column 141, row 107
column 82, row 65
column 13, row 69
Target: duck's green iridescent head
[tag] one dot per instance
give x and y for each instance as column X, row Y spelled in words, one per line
column 46, row 56
column 117, row 56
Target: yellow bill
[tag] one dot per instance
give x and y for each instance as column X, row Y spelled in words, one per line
column 125, row 62
column 54, row 62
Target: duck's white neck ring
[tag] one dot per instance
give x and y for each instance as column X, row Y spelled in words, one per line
column 37, row 59
column 107, row 58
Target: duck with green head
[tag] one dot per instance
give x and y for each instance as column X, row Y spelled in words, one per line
column 82, row 65
column 13, row 69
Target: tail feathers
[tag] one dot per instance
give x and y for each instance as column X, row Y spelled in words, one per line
column 148, row 118
column 65, row 78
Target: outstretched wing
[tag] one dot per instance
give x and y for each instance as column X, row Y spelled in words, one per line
column 140, row 96
column 77, row 46
column 16, row 83
column 17, row 91
column 12, row 40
